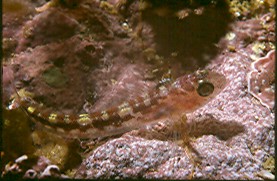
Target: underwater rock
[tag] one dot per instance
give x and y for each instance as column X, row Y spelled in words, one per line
column 109, row 57
column 58, row 25
column 233, row 135
column 128, row 157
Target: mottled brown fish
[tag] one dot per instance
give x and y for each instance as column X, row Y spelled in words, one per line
column 185, row 95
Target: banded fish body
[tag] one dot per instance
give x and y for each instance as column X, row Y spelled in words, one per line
column 184, row 95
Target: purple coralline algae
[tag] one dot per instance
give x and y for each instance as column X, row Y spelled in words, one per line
column 78, row 57
column 233, row 134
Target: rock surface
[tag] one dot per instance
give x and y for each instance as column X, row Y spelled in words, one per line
column 92, row 55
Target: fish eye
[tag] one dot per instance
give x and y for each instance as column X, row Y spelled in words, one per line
column 205, row 88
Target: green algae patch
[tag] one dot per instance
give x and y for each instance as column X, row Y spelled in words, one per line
column 54, row 77
column 16, row 134
column 59, row 151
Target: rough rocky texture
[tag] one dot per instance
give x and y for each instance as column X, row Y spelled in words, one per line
column 15, row 13
column 94, row 56
column 239, row 129
column 235, row 157
column 128, row 157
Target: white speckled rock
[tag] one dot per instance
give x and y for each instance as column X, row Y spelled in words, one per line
column 234, row 132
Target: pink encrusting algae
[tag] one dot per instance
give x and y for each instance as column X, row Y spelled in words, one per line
column 261, row 79
column 139, row 89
